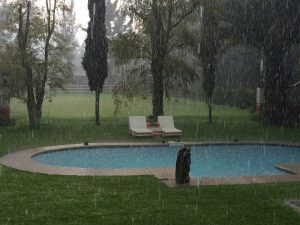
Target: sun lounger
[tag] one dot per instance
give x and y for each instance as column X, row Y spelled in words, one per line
column 138, row 126
column 167, row 126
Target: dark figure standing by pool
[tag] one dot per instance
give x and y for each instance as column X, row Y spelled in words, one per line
column 183, row 163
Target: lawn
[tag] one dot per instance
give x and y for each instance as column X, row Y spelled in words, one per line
column 70, row 119
column 28, row 198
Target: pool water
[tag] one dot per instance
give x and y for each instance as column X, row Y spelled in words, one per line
column 207, row 161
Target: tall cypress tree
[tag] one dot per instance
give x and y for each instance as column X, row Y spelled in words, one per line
column 95, row 57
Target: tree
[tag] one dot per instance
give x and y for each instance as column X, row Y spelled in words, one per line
column 42, row 47
column 272, row 26
column 208, row 39
column 95, row 57
column 158, row 21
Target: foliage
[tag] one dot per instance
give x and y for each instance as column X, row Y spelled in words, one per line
column 95, row 57
column 115, row 16
column 45, row 40
column 11, row 71
column 295, row 58
column 273, row 27
column 239, row 66
column 180, row 74
column 129, row 46
column 61, row 46
column 135, row 84
column 208, row 36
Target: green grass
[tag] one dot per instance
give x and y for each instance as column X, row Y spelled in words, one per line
column 70, row 119
column 40, row 199
column 29, row 198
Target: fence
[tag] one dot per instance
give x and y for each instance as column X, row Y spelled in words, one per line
column 76, row 88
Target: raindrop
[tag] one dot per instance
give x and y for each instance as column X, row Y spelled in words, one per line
column 95, row 201
column 159, row 194
column 197, row 129
column 198, row 182
column 274, row 217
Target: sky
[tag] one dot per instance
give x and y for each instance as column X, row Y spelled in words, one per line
column 82, row 17
column 81, row 13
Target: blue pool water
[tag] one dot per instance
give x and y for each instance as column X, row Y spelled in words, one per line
column 207, row 161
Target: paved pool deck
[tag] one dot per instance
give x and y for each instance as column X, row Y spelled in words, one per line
column 22, row 160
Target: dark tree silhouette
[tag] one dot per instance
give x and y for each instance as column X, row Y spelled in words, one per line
column 274, row 27
column 95, row 57
column 209, row 46
column 160, row 21
column 208, row 38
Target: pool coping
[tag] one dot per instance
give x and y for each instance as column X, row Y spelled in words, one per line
column 21, row 160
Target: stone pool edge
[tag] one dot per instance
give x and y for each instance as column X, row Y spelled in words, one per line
column 21, row 160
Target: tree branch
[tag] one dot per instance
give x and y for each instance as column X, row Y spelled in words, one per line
column 181, row 18
column 141, row 15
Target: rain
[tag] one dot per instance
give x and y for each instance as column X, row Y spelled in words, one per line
column 149, row 112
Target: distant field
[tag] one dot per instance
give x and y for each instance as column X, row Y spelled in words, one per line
column 81, row 106
column 69, row 118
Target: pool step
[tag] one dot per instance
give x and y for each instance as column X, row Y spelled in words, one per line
column 176, row 144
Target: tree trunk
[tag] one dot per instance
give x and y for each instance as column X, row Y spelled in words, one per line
column 34, row 121
column 97, row 106
column 209, row 84
column 209, row 104
column 158, row 89
column 94, row 60
column 40, row 99
column 276, row 85
column 40, row 90
column 31, row 104
column 22, row 37
column 158, row 39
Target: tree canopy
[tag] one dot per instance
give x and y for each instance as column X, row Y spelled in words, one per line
column 154, row 39
column 42, row 39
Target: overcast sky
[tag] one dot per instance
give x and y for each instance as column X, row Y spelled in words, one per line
column 81, row 12
column 82, row 17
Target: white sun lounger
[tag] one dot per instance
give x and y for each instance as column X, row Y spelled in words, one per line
column 138, row 126
column 167, row 126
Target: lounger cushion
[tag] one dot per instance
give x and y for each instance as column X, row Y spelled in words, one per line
column 171, row 130
column 138, row 126
column 167, row 126
column 144, row 131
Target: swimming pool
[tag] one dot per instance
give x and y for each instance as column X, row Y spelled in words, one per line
column 207, row 161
